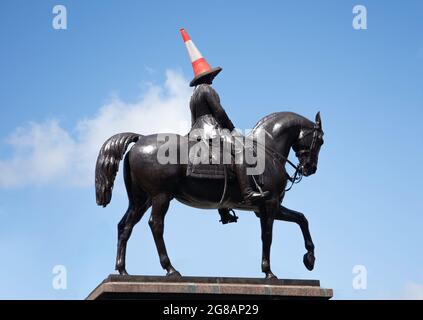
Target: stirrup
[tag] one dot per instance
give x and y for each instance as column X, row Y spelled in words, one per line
column 230, row 217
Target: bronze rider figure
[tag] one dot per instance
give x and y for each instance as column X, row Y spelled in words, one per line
column 206, row 110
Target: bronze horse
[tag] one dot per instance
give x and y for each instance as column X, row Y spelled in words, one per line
column 149, row 183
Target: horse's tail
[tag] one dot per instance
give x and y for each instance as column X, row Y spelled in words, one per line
column 107, row 165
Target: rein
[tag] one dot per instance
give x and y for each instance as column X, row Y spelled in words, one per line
column 297, row 176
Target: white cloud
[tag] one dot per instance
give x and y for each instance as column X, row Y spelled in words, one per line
column 413, row 291
column 45, row 153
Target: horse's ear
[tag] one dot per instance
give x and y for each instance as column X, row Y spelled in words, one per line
column 318, row 120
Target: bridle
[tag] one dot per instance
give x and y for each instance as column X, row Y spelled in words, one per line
column 309, row 151
column 297, row 176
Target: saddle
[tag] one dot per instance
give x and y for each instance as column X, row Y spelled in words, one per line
column 214, row 159
column 206, row 159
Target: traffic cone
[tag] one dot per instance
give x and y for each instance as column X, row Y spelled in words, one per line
column 203, row 73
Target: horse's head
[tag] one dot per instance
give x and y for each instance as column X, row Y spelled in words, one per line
column 307, row 147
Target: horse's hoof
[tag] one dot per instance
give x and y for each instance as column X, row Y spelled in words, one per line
column 174, row 274
column 309, row 260
column 123, row 272
column 270, row 276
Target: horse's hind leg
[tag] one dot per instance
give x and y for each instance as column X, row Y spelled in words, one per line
column 132, row 216
column 139, row 202
column 286, row 214
column 160, row 205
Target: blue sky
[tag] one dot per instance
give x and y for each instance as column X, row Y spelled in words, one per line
column 120, row 62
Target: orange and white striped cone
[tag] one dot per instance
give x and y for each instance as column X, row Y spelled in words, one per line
column 202, row 70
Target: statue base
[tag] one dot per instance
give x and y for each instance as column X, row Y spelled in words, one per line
column 117, row 287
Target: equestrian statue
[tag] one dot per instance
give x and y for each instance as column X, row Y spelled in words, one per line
column 151, row 183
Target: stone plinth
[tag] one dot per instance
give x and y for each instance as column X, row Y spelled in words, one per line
column 188, row 288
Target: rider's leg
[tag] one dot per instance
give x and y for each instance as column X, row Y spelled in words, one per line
column 240, row 169
column 245, row 185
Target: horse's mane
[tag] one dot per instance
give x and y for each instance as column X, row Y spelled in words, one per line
column 288, row 119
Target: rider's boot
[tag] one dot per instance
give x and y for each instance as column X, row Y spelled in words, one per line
column 244, row 184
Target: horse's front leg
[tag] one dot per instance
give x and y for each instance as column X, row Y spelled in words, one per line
column 267, row 213
column 286, row 214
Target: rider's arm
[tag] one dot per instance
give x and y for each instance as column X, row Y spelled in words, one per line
column 193, row 116
column 218, row 112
